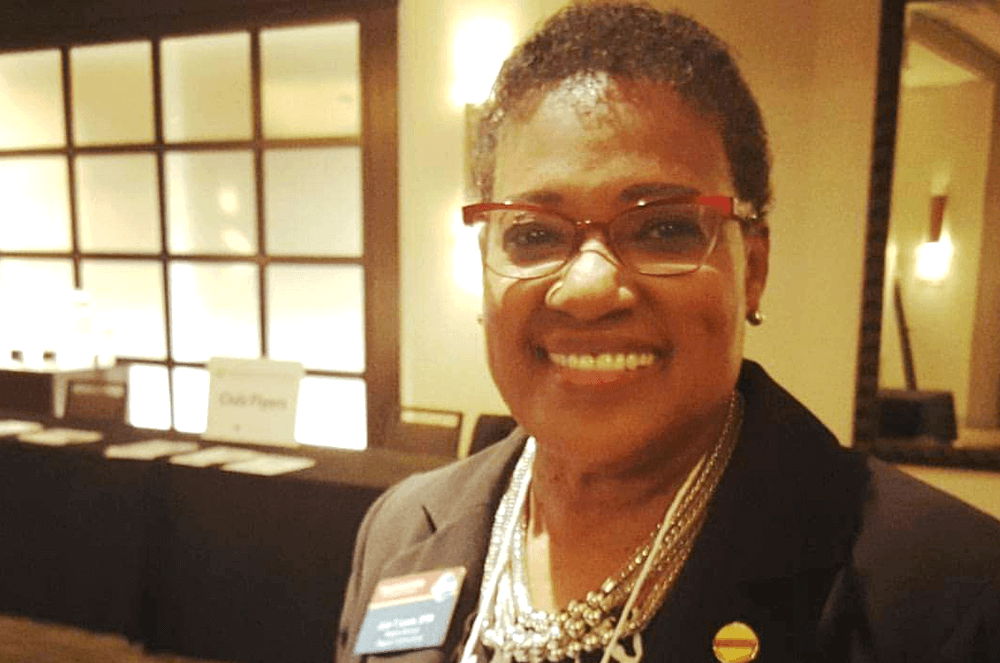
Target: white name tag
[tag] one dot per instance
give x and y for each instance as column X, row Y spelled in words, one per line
column 410, row 612
column 253, row 400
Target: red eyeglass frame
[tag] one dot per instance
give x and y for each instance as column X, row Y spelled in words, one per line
column 730, row 207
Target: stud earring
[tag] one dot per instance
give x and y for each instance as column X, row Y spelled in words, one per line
column 755, row 318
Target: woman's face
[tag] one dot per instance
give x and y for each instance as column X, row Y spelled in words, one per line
column 591, row 148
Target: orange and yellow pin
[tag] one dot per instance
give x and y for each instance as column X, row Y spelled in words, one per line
column 736, row 643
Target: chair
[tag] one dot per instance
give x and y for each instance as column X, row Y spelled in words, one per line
column 426, row 431
column 490, row 428
column 96, row 401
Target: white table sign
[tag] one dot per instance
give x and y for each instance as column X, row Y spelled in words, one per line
column 253, row 400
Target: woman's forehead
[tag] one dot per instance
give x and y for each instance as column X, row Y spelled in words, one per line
column 589, row 122
column 601, row 96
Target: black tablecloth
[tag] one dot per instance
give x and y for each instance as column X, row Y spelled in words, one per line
column 72, row 535
column 197, row 561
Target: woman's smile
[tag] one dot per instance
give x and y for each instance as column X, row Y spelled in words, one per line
column 604, row 362
column 602, row 369
column 590, row 364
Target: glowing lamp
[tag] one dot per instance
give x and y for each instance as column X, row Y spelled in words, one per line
column 934, row 260
column 934, row 255
column 480, row 47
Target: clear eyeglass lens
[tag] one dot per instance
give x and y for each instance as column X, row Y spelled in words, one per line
column 665, row 239
column 655, row 239
column 531, row 241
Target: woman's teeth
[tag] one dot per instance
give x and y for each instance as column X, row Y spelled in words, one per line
column 605, row 361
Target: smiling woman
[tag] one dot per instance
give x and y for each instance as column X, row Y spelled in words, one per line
column 662, row 497
column 588, row 151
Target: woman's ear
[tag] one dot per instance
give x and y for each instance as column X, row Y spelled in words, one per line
column 757, row 244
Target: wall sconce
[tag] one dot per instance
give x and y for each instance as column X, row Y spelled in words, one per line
column 934, row 255
column 481, row 44
column 472, row 116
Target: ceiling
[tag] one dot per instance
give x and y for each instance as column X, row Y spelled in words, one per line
column 977, row 20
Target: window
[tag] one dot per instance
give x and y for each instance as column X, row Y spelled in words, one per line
column 211, row 189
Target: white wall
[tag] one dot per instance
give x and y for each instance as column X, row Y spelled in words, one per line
column 813, row 68
column 941, row 148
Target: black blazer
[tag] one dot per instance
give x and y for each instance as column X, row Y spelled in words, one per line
column 826, row 555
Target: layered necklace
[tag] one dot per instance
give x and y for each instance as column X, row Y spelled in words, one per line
column 508, row 625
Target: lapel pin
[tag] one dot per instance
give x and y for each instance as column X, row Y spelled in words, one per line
column 736, row 643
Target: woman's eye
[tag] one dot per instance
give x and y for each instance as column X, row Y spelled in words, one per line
column 668, row 230
column 531, row 234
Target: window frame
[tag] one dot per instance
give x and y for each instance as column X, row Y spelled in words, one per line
column 66, row 24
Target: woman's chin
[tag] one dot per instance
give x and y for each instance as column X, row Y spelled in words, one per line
column 602, row 438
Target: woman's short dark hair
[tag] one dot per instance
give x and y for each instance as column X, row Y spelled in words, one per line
column 634, row 41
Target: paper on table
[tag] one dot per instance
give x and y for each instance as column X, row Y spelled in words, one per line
column 215, row 456
column 149, row 449
column 270, row 465
column 11, row 427
column 60, row 437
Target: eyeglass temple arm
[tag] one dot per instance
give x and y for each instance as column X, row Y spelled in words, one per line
column 731, row 207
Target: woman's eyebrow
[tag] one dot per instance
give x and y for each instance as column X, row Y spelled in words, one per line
column 630, row 194
column 540, row 197
column 637, row 192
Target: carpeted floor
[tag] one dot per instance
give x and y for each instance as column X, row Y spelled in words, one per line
column 26, row 641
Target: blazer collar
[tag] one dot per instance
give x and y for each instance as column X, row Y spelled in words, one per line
column 479, row 482
column 791, row 498
column 778, row 533
column 459, row 522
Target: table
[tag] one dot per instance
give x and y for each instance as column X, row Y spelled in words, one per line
column 72, row 535
column 197, row 561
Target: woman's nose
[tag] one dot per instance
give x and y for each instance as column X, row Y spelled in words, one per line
column 591, row 284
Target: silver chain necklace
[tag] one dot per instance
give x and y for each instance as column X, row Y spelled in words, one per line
column 516, row 631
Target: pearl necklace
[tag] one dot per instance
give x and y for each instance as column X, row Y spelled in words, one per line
column 516, row 631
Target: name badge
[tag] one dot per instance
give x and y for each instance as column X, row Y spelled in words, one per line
column 410, row 612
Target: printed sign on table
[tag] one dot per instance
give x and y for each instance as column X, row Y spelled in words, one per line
column 253, row 400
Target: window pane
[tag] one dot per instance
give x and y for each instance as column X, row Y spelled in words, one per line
column 206, row 87
column 312, row 199
column 316, row 316
column 332, row 413
column 31, row 111
column 118, row 202
column 211, row 202
column 35, row 195
column 127, row 300
column 214, row 311
column 310, row 81
column 190, row 399
column 34, row 277
column 33, row 297
column 112, row 93
column 148, row 396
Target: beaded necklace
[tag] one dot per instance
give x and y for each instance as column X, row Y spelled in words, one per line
column 514, row 630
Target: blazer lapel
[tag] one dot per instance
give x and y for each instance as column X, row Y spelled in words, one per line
column 778, row 532
column 460, row 520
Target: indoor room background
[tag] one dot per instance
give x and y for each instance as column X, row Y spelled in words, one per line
column 812, row 65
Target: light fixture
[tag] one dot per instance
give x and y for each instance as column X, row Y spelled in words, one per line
column 934, row 256
column 480, row 47
column 481, row 44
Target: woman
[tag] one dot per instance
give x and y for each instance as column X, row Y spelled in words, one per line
column 662, row 498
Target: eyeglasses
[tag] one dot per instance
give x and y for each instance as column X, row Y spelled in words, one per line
column 663, row 237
